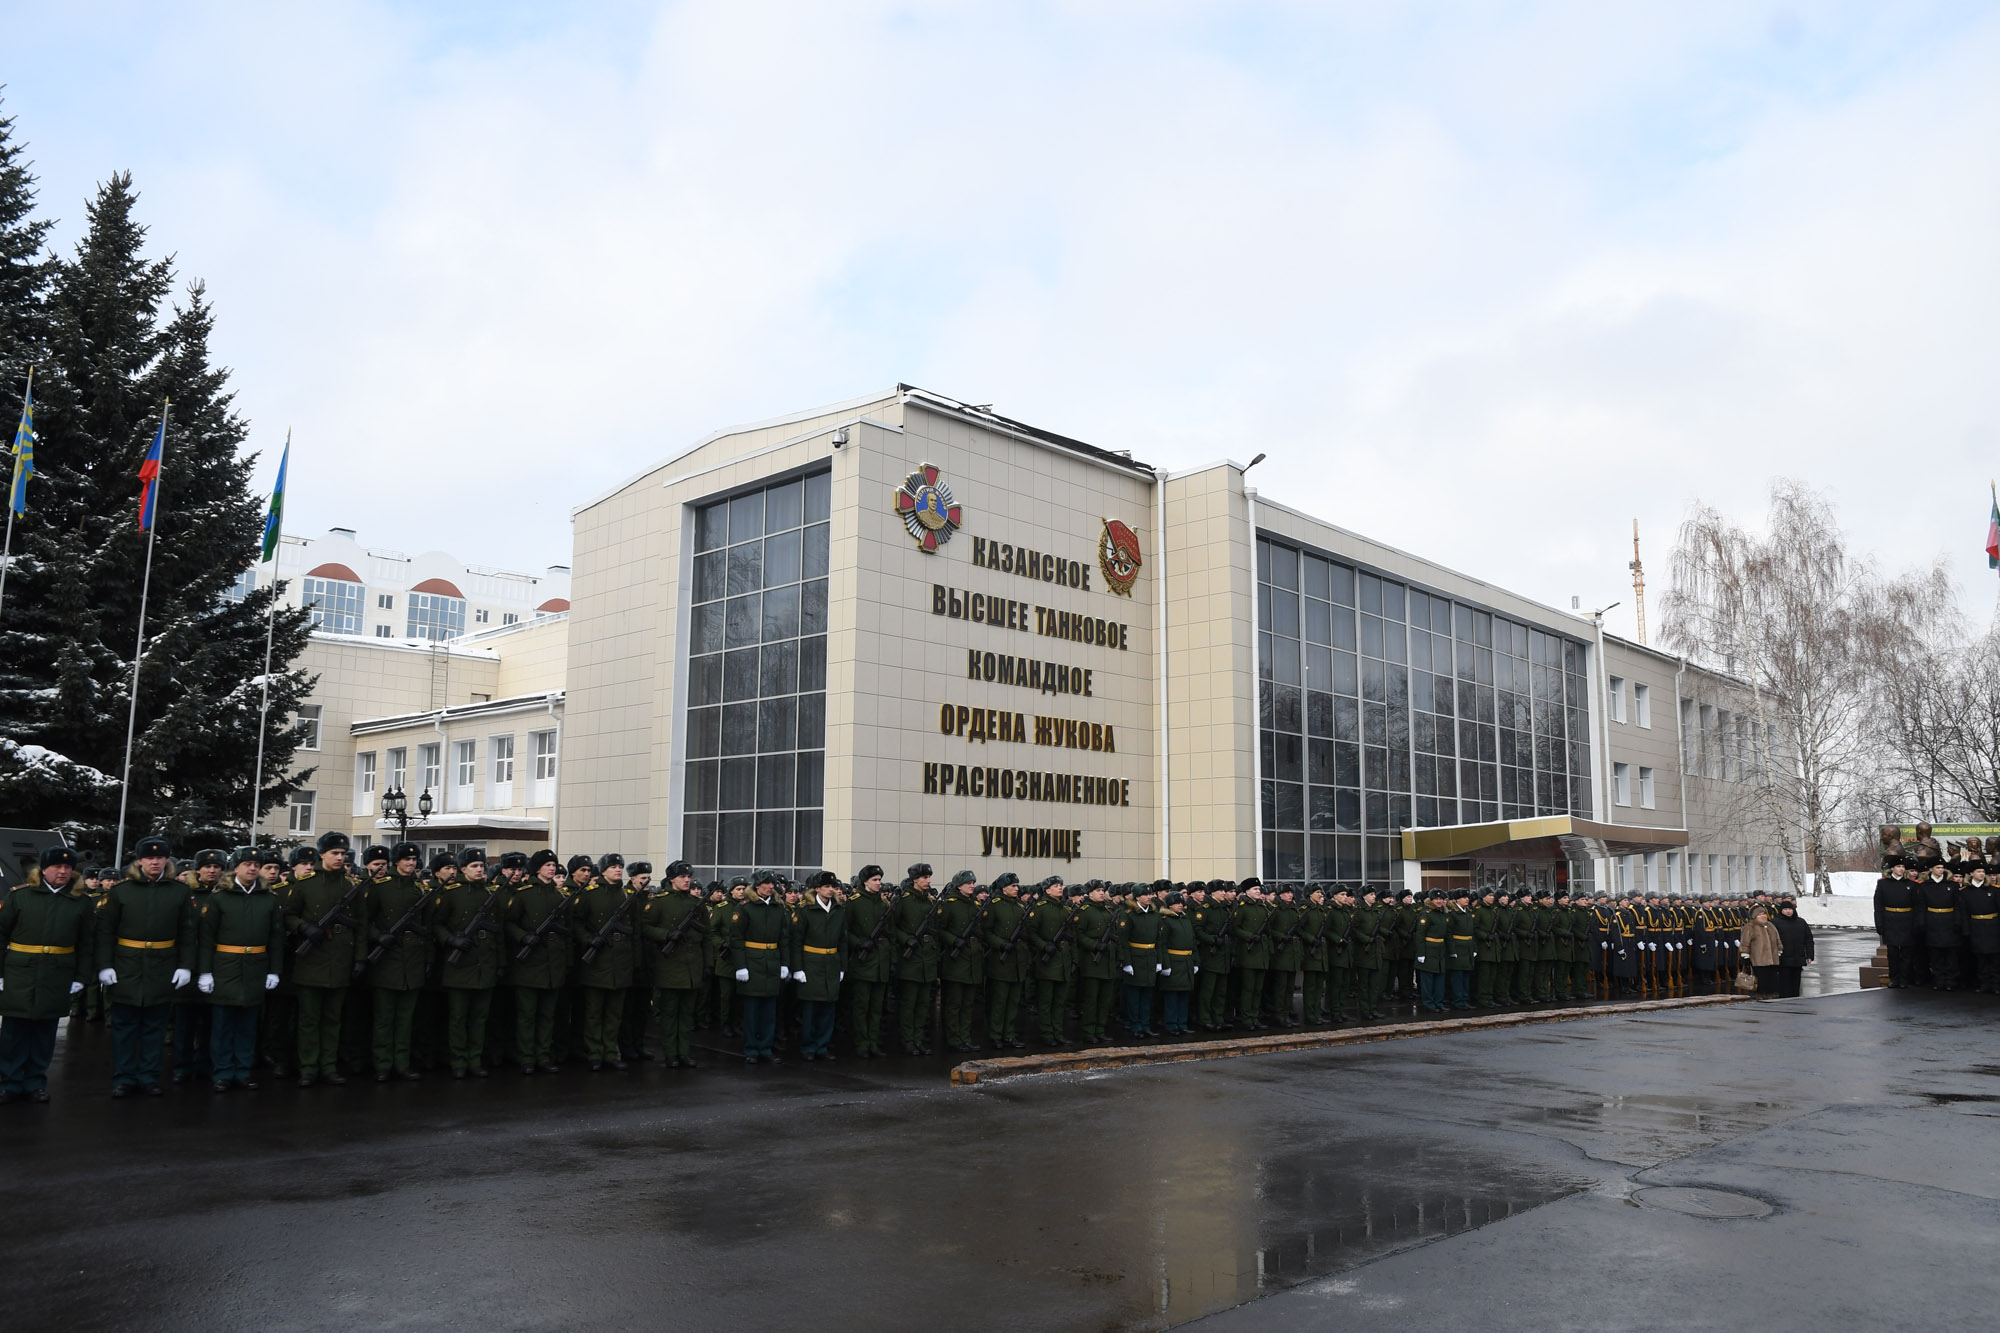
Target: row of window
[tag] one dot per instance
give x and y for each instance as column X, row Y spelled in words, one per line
column 376, row 772
column 1700, row 872
column 1717, row 743
column 1642, row 702
column 336, row 607
column 1621, row 785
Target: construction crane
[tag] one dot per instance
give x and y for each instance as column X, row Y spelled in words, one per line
column 1638, row 583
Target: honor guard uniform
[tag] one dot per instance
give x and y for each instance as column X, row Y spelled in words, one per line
column 538, row 959
column 725, row 975
column 914, row 923
column 868, row 960
column 1282, row 977
column 760, row 939
column 1979, row 904
column 324, row 911
column 240, row 948
column 1337, row 949
column 1251, row 956
column 468, row 927
column 818, row 962
column 1177, row 961
column 1898, row 909
column 1007, row 962
column 962, row 959
column 191, row 1059
column 674, row 925
column 1139, row 960
column 1371, row 948
column 1940, row 916
column 397, row 954
column 1097, row 965
column 144, row 939
column 44, row 960
column 1212, row 940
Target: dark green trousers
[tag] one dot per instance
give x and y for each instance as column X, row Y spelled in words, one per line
column 1250, row 994
column 465, row 1025
column 1211, row 997
column 603, row 1011
column 677, row 1009
column 535, row 1025
column 1003, row 1011
column 1051, row 1003
column 1368, row 984
column 395, row 1019
column 1339, row 985
column 725, row 1003
column 1579, row 980
column 632, row 1025
column 320, row 1012
column 870, row 998
column 960, row 999
column 913, row 1013
column 1095, row 996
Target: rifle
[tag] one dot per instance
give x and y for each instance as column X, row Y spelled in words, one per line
column 541, row 932
column 610, row 928
column 958, row 945
column 395, row 931
column 1298, row 919
column 923, row 929
column 1019, row 926
column 1055, row 941
column 1104, row 940
column 337, row 914
column 478, row 919
column 1270, row 915
column 673, row 940
column 866, row 948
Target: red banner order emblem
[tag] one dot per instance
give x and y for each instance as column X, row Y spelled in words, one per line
column 1118, row 556
column 925, row 505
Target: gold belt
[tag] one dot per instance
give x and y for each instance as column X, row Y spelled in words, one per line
column 752, row 944
column 1134, row 944
column 145, row 944
column 42, row 948
column 1986, row 916
column 240, row 948
column 810, row 949
column 1895, row 909
column 1180, row 953
column 1944, row 909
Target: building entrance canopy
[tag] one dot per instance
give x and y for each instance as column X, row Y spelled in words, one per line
column 1550, row 838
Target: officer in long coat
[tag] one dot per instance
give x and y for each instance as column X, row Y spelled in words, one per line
column 1051, row 929
column 324, row 914
column 240, row 949
column 915, row 925
column 1897, row 909
column 605, row 920
column 468, row 927
column 1007, row 962
column 399, row 954
column 44, row 961
column 961, row 959
column 760, row 936
column 538, row 940
column 868, row 960
column 674, row 925
column 819, row 948
column 145, row 944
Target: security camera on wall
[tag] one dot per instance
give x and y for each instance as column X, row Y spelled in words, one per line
column 840, row 437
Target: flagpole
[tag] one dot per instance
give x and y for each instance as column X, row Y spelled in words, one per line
column 270, row 630
column 7, row 551
column 139, row 652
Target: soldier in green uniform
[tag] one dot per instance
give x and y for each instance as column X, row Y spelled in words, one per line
column 323, row 915
column 1528, row 928
column 1550, row 945
column 639, row 997
column 1313, row 962
column 1212, row 944
column 44, row 961
column 191, row 1059
column 1097, row 964
column 1336, row 949
column 1561, row 945
column 398, row 956
column 144, row 936
column 1139, row 960
column 538, row 938
column 760, row 937
column 1433, row 935
column 241, row 947
column 914, row 923
column 1051, row 929
column 1460, row 949
column 1252, row 930
column 1177, row 955
column 281, row 1008
column 94, row 1005
column 725, row 975
column 1007, row 963
column 868, row 960
column 1582, row 943
column 1486, row 949
column 1371, row 925
column 818, row 963
column 962, row 962
column 674, row 925
column 468, row 926
column 513, row 873
column 1282, row 978
column 603, row 924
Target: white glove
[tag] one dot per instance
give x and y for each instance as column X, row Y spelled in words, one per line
column 1197, row 970
column 181, row 977
column 108, row 977
column 743, row 974
column 798, row 976
column 75, row 986
column 1420, row 958
column 784, row 973
column 270, row 981
column 1159, row 967
column 1128, row 969
column 843, row 976
column 206, row 984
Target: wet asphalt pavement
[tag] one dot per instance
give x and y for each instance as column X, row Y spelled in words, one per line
column 1495, row 1178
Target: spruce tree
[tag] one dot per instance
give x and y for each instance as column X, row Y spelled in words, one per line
column 116, row 350
column 25, row 271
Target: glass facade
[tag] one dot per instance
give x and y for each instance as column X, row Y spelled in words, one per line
column 335, row 605
column 1384, row 707
column 435, row 617
column 756, row 691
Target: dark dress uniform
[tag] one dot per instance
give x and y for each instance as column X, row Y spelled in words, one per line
column 191, row 1019
column 1007, row 965
column 1369, row 939
column 1897, row 909
column 1251, row 928
column 914, row 928
column 1051, row 930
column 1433, row 933
column 1282, row 977
column 675, row 926
column 604, row 917
column 240, row 951
column 1096, row 970
column 396, row 976
column 724, row 1002
column 44, row 961
column 760, row 935
column 961, row 961
column 469, row 927
column 1139, row 959
column 819, row 943
column 1177, row 955
column 322, row 964
column 1980, row 906
column 868, row 959
column 1315, row 964
column 1940, row 930
column 145, row 934
column 1212, row 940
column 1458, row 955
column 537, row 967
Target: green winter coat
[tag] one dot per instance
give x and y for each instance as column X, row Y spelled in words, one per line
column 760, row 939
column 1433, row 933
column 454, row 909
column 1505, row 947
column 1370, row 936
column 242, row 941
column 1340, row 937
column 135, row 911
column 819, row 948
column 1004, row 963
column 1139, row 948
column 328, row 964
column 1212, row 937
column 1287, row 931
column 961, row 914
column 1312, row 935
column 718, row 937
column 1097, row 923
column 1176, row 947
column 666, row 914
column 404, row 961
column 599, row 906
column 907, row 921
column 45, row 941
column 1459, row 946
column 547, row 965
column 1050, row 927
column 1254, row 930
column 865, row 911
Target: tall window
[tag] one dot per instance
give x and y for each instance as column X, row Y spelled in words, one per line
column 397, row 762
column 1645, row 788
column 308, row 724
column 435, row 617
column 1615, row 686
column 299, row 812
column 364, row 782
column 335, row 605
column 756, row 707
column 465, row 773
column 1642, row 705
column 542, row 781
column 246, row 583
column 430, row 760
column 500, row 791
column 1621, row 784
column 1383, row 707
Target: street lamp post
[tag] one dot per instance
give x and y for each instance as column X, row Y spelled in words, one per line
column 396, row 806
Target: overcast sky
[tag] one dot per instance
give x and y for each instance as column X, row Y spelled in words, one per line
column 1486, row 281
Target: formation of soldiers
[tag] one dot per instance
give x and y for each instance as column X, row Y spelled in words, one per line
column 1937, row 911
column 303, row 967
